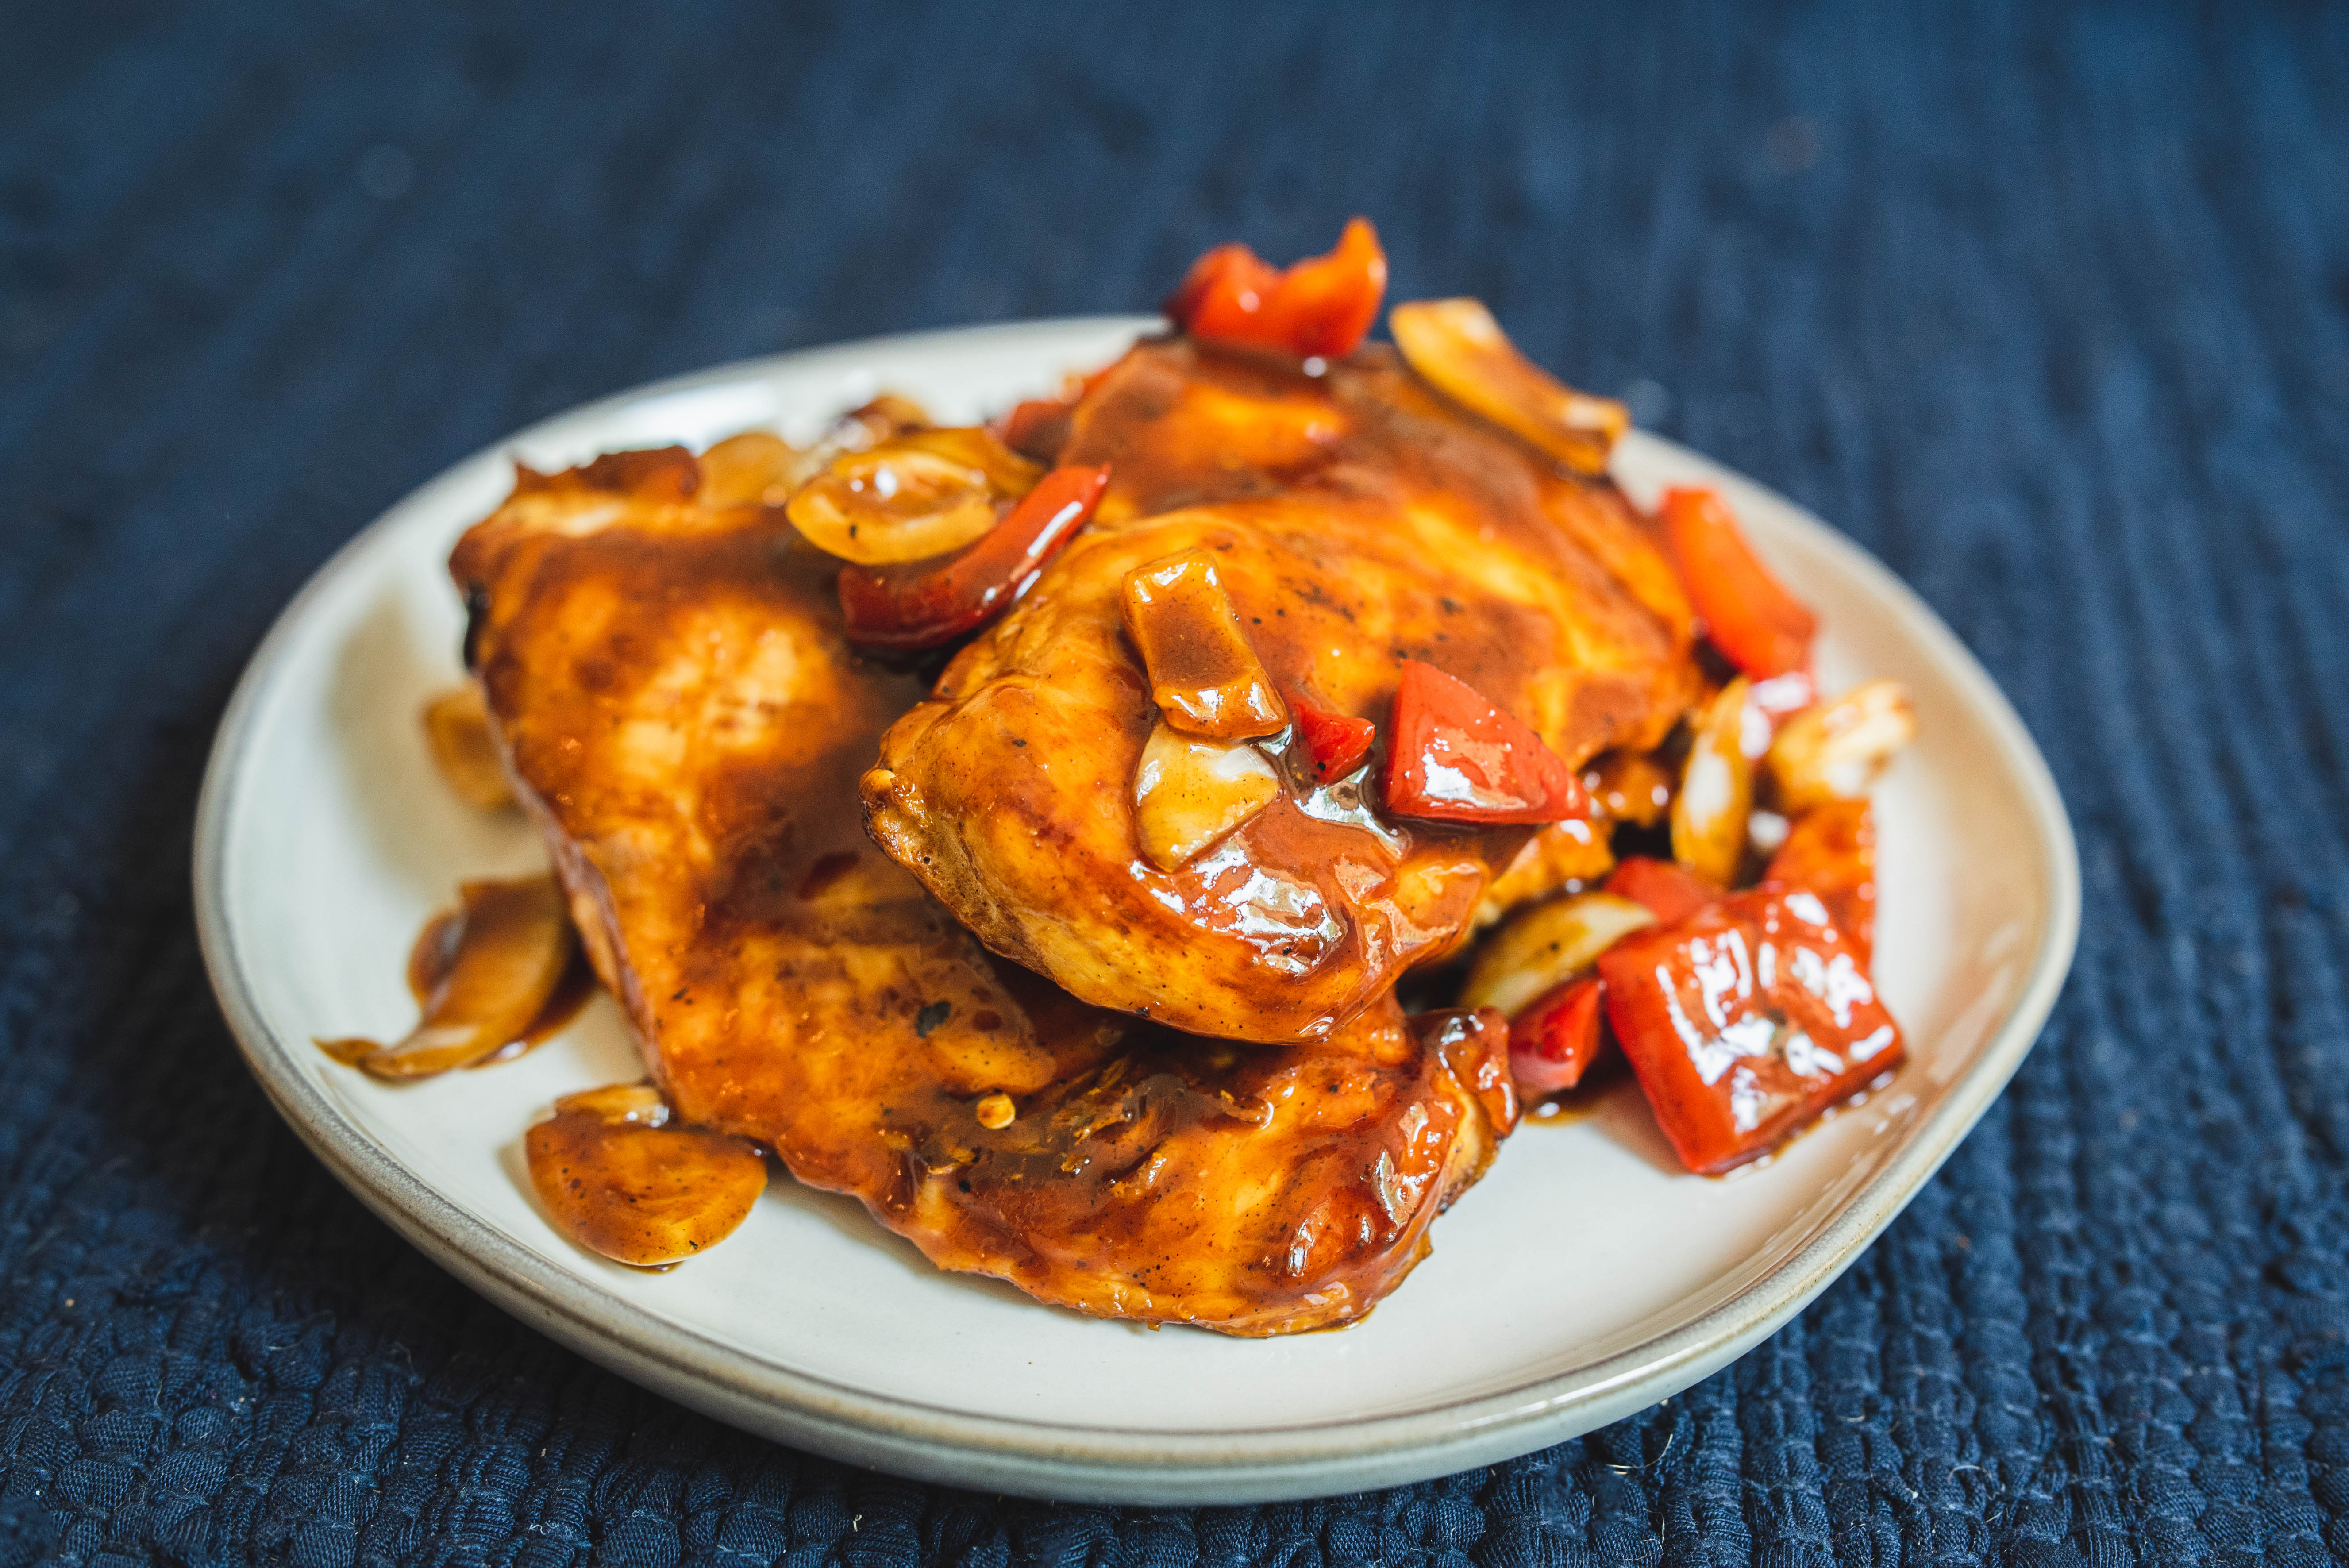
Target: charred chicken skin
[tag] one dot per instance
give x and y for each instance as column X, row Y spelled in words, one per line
column 1343, row 526
column 668, row 676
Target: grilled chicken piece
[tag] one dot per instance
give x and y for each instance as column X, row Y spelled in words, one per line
column 1356, row 520
column 668, row 676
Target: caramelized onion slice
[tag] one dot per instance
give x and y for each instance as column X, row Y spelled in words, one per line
column 1461, row 351
column 890, row 505
column 980, row 449
column 512, row 951
column 615, row 1103
column 919, row 494
column 619, row 1179
column 1835, row 751
column 1203, row 676
column 755, row 466
column 885, row 418
column 1188, row 792
column 456, row 727
column 1716, row 793
column 1547, row 946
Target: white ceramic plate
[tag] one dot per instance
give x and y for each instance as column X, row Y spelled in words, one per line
column 1584, row 1279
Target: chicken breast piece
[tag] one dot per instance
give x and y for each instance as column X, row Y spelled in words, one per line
column 683, row 720
column 1356, row 521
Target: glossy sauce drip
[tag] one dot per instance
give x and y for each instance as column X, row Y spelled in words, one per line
column 457, row 726
column 620, row 1179
column 492, row 978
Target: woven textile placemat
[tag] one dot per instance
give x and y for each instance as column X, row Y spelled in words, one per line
column 2049, row 307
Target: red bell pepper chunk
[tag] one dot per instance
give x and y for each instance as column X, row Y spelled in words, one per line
column 1455, row 757
column 1322, row 306
column 921, row 604
column 1831, row 851
column 1325, row 305
column 1553, row 1041
column 1758, row 626
column 1336, row 742
column 1223, row 294
column 1745, row 1021
column 1671, row 890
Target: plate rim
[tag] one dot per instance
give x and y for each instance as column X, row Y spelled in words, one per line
column 1110, row 1464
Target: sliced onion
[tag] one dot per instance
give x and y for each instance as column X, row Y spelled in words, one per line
column 1835, row 751
column 457, row 726
column 511, row 954
column 1188, row 792
column 615, row 1103
column 1548, row 945
column 930, row 493
column 754, row 466
column 1716, row 793
column 885, row 418
column 976, row 447
column 1460, row 351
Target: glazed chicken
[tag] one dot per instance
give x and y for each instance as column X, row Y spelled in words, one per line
column 1350, row 520
column 667, row 678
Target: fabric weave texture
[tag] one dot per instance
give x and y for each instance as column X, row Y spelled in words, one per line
column 2048, row 306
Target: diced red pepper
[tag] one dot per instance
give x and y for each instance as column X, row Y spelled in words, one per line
column 1325, row 305
column 1555, row 1039
column 1336, row 742
column 1670, row 891
column 1223, row 294
column 1831, row 851
column 1322, row 306
column 1745, row 1021
column 1455, row 757
column 1758, row 626
column 921, row 604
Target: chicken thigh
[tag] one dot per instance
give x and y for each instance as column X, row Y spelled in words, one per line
column 1355, row 520
column 667, row 675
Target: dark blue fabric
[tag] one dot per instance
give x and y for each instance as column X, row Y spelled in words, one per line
column 2047, row 306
